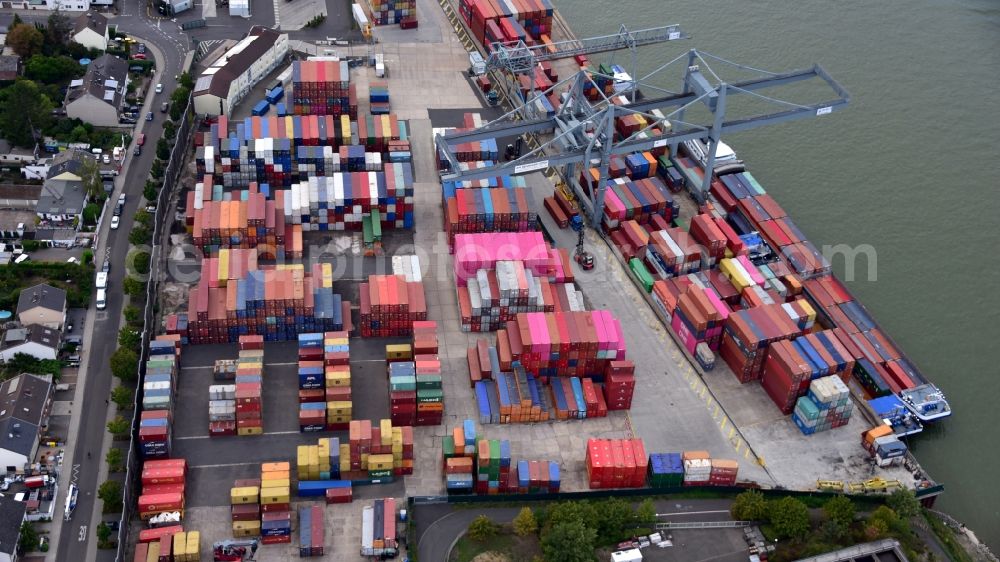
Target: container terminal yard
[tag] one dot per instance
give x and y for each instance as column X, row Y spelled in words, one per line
column 675, row 403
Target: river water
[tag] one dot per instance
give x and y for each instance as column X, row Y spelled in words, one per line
column 911, row 168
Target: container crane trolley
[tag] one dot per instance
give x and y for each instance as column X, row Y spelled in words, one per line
column 235, row 550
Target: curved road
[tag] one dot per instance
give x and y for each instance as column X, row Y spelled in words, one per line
column 439, row 526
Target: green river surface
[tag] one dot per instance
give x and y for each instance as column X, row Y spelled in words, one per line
column 910, row 167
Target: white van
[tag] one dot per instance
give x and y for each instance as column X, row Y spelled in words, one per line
column 22, row 258
column 102, row 280
column 102, row 299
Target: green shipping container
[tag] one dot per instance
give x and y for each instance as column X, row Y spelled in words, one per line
column 641, row 273
column 376, row 225
column 754, row 184
column 448, row 446
column 425, row 396
column 428, row 382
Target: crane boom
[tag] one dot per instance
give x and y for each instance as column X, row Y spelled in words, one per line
column 517, row 57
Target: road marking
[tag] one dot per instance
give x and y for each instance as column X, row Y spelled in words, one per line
column 76, row 474
column 190, row 437
column 83, row 534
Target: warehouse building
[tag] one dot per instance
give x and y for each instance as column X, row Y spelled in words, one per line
column 231, row 77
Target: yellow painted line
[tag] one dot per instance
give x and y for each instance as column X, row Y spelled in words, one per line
column 746, row 453
column 732, row 430
column 738, row 445
column 722, row 425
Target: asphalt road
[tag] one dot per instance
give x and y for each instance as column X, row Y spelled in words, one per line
column 114, row 245
column 439, row 526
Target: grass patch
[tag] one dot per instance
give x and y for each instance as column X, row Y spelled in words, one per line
column 513, row 547
column 76, row 280
column 947, row 538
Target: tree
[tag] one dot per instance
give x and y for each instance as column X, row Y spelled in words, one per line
column 90, row 175
column 140, row 262
column 150, row 191
column 169, row 130
column 177, row 111
column 569, row 541
column 612, row 515
column 645, row 513
column 749, row 506
column 163, row 149
column 103, row 532
column 25, row 111
column 133, row 287
column 90, row 213
column 129, row 338
column 482, row 528
column 180, row 96
column 27, row 541
column 186, row 81
column 904, row 503
column 115, row 459
column 885, row 514
column 133, row 315
column 789, row 517
column 121, row 395
column 58, row 30
column 79, row 134
column 582, row 511
column 110, row 493
column 139, row 236
column 157, row 169
column 118, row 427
column 14, row 22
column 840, row 510
column 876, row 529
column 24, row 363
column 144, row 218
column 525, row 523
column 124, row 363
column 52, row 70
column 25, row 39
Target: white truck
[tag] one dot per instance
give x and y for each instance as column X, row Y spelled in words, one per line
column 102, row 280
column 477, row 66
column 102, row 299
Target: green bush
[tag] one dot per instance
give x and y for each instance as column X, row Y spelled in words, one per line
column 482, row 528
column 789, row 517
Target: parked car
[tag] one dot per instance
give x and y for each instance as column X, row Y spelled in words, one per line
column 159, row 88
column 149, row 116
column 164, row 107
column 141, row 48
column 139, row 56
column 106, row 268
column 106, row 158
column 137, row 151
column 150, row 208
column 121, row 198
column 115, row 221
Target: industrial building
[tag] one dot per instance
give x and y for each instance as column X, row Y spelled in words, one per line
column 231, row 77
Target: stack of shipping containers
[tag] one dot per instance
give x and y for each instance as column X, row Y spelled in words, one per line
column 311, row 531
column 826, row 406
column 275, row 503
column 323, row 88
column 245, row 508
column 390, row 304
column 616, row 463
column 160, row 383
column 378, row 529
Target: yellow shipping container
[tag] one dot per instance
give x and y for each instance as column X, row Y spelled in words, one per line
column 339, row 408
column 248, row 494
column 179, row 547
column 247, row 353
column 364, row 460
column 330, row 418
column 808, row 309
column 338, row 378
column 194, row 546
column 386, row 431
column 249, row 431
column 398, row 352
column 153, row 554
column 379, row 462
column 246, row 528
column 275, row 495
column 734, row 272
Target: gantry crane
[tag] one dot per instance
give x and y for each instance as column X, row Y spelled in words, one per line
column 583, row 131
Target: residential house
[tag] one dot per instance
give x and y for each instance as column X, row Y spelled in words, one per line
column 61, row 202
column 42, row 305
column 10, row 67
column 37, row 341
column 25, row 404
column 231, row 77
column 97, row 98
column 91, row 31
column 10, row 154
column 11, row 518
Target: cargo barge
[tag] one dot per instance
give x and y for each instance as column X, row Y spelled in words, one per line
column 880, row 369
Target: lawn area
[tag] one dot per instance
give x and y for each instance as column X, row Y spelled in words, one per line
column 76, row 280
column 504, row 547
